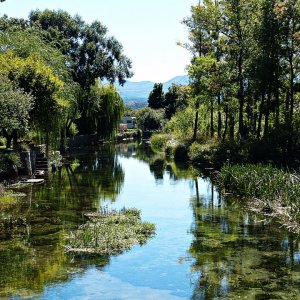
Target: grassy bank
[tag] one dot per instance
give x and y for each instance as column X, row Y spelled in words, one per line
column 266, row 190
column 109, row 232
column 205, row 152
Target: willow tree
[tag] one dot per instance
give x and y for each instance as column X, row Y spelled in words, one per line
column 92, row 52
column 105, row 109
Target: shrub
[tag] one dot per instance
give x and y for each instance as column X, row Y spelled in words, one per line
column 159, row 141
column 149, row 119
column 181, row 152
column 200, row 154
column 9, row 162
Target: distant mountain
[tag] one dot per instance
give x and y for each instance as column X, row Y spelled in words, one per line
column 138, row 92
column 179, row 80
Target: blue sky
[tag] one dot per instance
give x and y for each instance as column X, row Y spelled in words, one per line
column 148, row 30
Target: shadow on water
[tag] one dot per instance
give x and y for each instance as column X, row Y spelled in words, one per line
column 32, row 253
column 232, row 253
column 237, row 255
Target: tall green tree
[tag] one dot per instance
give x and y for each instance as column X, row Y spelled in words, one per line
column 94, row 54
column 106, row 110
column 176, row 98
column 156, row 97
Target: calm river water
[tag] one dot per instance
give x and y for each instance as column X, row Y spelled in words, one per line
column 204, row 248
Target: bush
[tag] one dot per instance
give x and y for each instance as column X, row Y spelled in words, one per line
column 9, row 163
column 2, row 142
column 181, row 152
column 201, row 154
column 159, row 141
column 181, row 124
column 149, row 119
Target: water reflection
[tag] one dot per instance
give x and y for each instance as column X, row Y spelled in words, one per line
column 206, row 247
column 32, row 252
column 236, row 255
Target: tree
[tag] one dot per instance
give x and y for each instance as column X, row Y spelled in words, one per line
column 156, row 97
column 38, row 79
column 149, row 118
column 15, row 106
column 106, row 109
column 175, row 99
column 93, row 53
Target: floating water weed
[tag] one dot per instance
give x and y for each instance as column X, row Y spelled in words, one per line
column 110, row 232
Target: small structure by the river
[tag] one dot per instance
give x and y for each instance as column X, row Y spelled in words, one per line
column 128, row 123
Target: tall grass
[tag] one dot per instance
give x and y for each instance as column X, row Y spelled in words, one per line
column 277, row 191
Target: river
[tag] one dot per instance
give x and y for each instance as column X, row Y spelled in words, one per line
column 205, row 247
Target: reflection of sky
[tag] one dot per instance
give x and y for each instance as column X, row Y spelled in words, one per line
column 159, row 269
column 156, row 270
column 94, row 284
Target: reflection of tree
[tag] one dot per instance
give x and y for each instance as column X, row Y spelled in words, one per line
column 236, row 257
column 37, row 256
column 25, row 269
column 159, row 165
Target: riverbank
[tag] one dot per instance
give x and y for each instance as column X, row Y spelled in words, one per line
column 246, row 169
column 265, row 190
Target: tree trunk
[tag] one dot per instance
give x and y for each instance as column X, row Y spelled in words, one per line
column 260, row 115
column 292, row 75
column 277, row 106
column 8, row 141
column 15, row 138
column 219, row 117
column 212, row 129
column 231, row 126
column 226, row 123
column 267, row 114
column 196, row 126
column 241, row 97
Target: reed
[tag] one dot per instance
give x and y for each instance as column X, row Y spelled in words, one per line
column 267, row 189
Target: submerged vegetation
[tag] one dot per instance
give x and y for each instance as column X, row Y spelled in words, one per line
column 267, row 190
column 110, row 232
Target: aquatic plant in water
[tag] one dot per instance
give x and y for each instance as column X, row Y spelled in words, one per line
column 269, row 191
column 109, row 232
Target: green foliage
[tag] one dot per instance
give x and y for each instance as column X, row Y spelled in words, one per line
column 57, row 59
column 245, row 66
column 181, row 124
column 149, row 119
column 159, row 141
column 180, row 152
column 38, row 79
column 156, row 97
column 15, row 106
column 93, row 53
column 105, row 109
column 200, row 154
column 9, row 163
column 176, row 98
column 30, row 41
